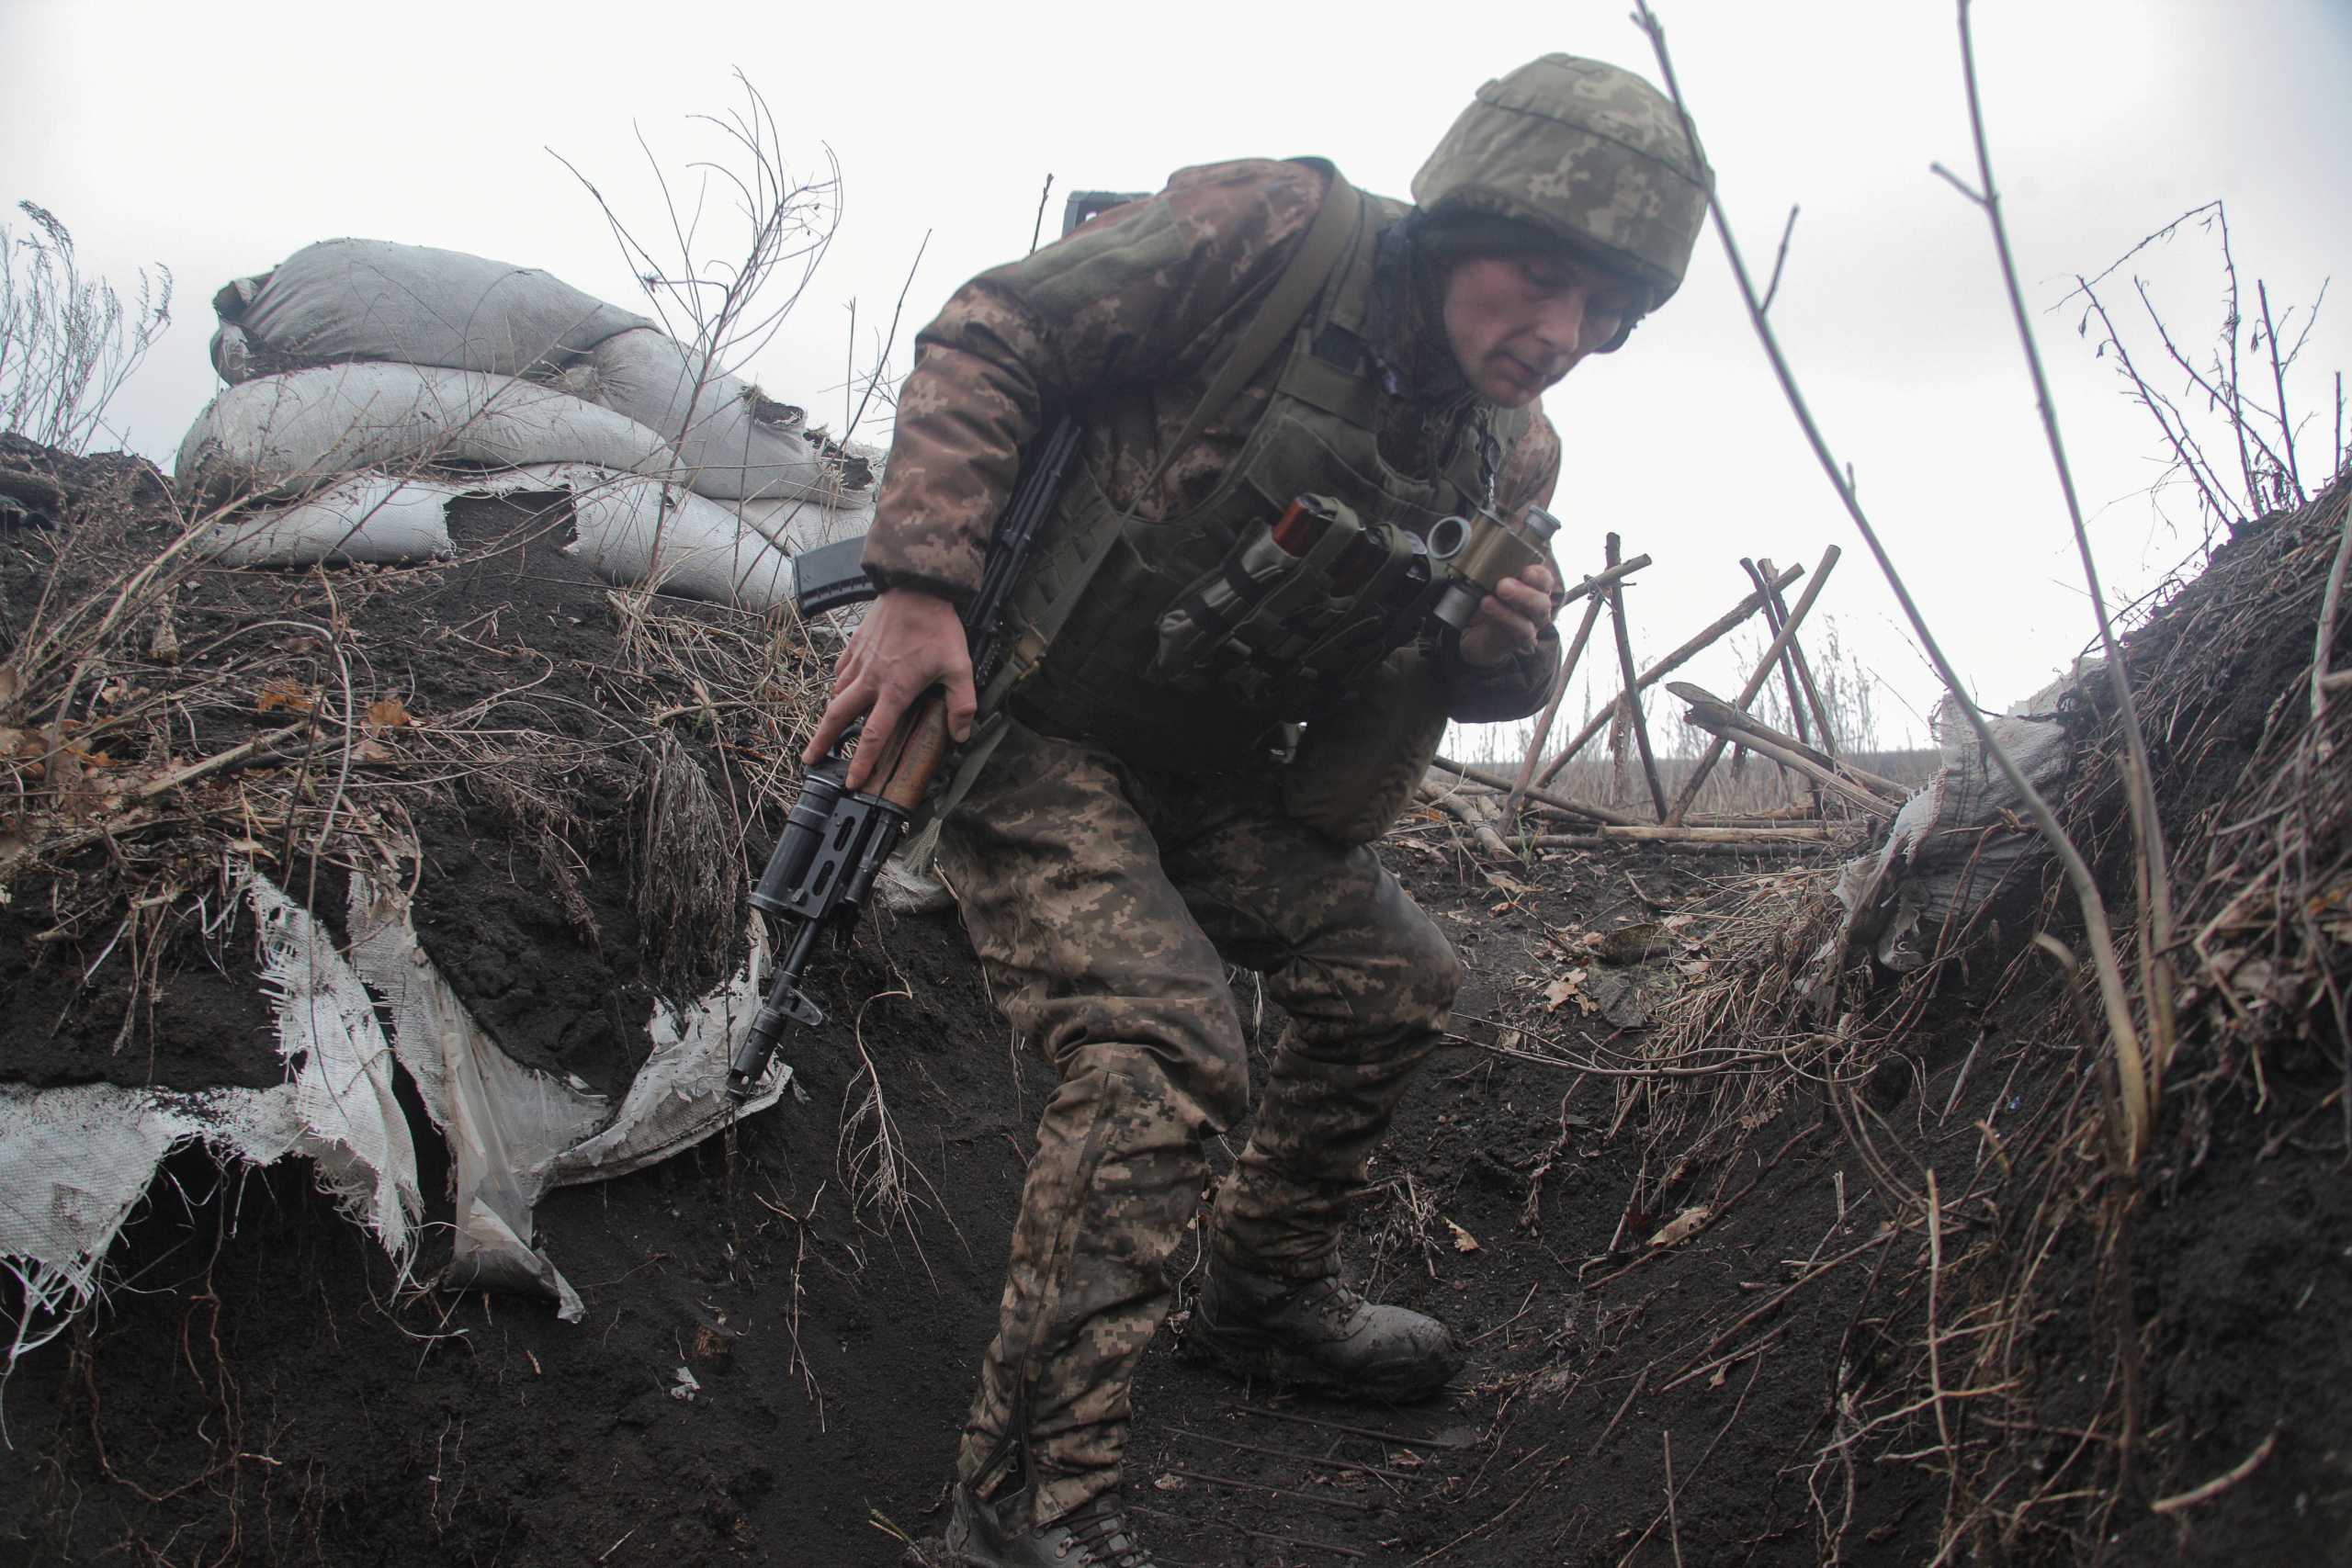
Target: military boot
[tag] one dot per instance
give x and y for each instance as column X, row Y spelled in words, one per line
column 1318, row 1334
column 1092, row 1535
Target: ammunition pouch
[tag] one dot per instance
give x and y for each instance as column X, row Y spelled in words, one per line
column 1298, row 607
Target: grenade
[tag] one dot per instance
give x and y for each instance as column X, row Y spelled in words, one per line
column 1480, row 551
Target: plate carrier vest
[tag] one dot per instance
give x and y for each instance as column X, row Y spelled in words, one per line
column 1084, row 622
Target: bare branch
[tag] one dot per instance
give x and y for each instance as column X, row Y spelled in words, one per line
column 1781, row 258
column 2129, row 1061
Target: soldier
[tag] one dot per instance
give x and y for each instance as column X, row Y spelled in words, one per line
column 1255, row 335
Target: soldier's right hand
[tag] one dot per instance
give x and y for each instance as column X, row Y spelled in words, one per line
column 908, row 642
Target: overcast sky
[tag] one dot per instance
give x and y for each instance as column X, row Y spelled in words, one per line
column 216, row 139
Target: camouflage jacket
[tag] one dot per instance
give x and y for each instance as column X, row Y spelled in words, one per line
column 1124, row 321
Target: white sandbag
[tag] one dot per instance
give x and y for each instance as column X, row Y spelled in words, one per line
column 1955, row 842
column 282, row 435
column 696, row 547
column 379, row 518
column 798, row 526
column 733, row 444
column 732, row 552
column 346, row 299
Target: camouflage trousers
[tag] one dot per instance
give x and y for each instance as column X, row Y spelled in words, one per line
column 1106, row 904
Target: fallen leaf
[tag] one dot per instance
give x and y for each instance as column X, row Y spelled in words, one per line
column 386, row 713
column 1463, row 1240
column 1568, row 988
column 1508, row 883
column 1682, row 1226
column 1509, row 1039
column 1168, row 1483
column 284, row 693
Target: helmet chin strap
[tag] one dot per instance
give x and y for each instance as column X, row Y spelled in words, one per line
column 1614, row 344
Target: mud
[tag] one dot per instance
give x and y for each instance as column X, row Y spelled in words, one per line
column 773, row 1366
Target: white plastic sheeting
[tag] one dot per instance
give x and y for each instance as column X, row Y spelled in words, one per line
column 74, row 1160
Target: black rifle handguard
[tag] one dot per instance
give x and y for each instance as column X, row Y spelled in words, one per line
column 835, row 839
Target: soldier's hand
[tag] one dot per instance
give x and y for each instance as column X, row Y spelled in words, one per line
column 908, row 642
column 1511, row 619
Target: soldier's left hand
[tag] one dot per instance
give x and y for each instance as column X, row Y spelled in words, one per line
column 1511, row 619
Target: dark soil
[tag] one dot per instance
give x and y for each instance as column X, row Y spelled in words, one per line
column 258, row 1386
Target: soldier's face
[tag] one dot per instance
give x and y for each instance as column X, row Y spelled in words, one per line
column 1518, row 324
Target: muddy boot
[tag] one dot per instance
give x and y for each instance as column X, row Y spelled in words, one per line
column 1093, row 1535
column 1318, row 1334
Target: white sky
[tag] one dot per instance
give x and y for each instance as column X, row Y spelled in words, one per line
column 217, row 139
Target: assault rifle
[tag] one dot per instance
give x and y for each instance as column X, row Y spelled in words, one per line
column 834, row 838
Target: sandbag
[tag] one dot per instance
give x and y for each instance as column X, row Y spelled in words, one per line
column 1956, row 841
column 699, row 549
column 346, row 299
column 733, row 444
column 382, row 519
column 733, row 552
column 284, row 435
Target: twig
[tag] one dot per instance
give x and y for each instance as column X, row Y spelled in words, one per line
column 2181, row 1501
column 1776, row 615
column 1935, row 1342
column 890, row 340
column 2175, row 429
column 2329, row 604
column 1463, row 812
column 1780, row 259
column 2279, row 380
column 2130, row 1065
column 1722, row 719
column 2154, row 872
column 1673, row 1523
column 1038, row 230
column 1641, row 1381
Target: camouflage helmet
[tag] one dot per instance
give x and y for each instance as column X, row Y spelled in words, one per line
column 1588, row 152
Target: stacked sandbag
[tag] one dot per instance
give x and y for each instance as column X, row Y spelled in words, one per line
column 370, row 382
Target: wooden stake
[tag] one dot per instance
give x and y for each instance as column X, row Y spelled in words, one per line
column 1590, row 589
column 1633, row 698
column 1723, row 719
column 1824, row 732
column 1559, row 802
column 1755, row 683
column 1550, row 710
column 1665, row 667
